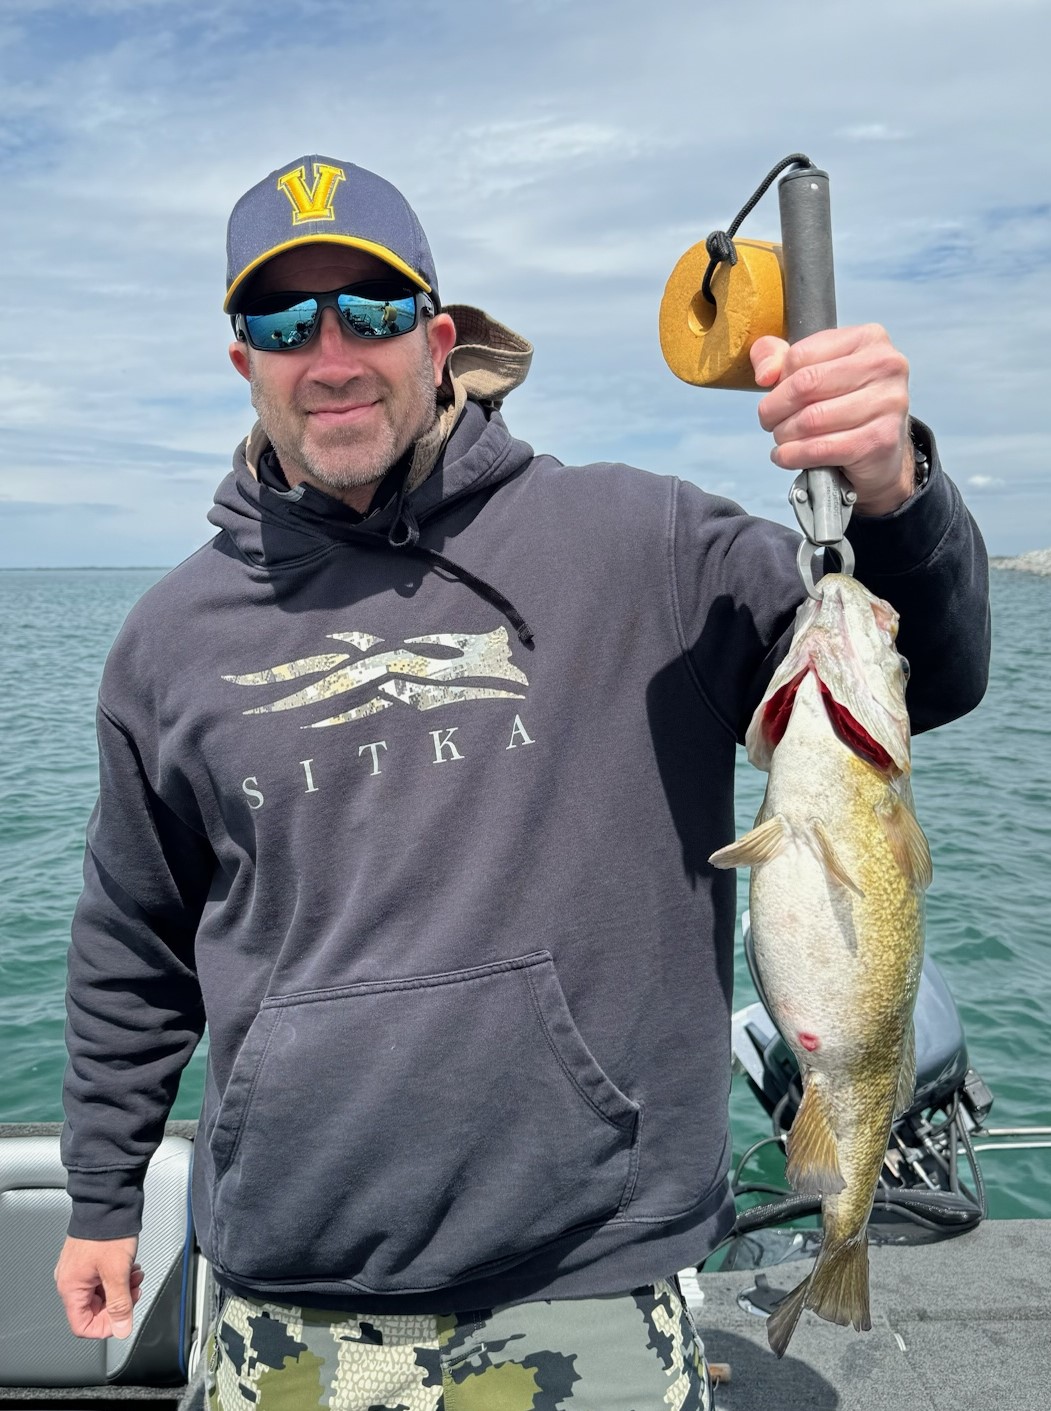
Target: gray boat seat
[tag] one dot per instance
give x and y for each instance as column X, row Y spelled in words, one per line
column 36, row 1346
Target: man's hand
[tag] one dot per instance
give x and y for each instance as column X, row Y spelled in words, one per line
column 841, row 398
column 99, row 1283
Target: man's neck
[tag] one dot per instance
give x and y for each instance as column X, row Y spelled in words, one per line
column 357, row 497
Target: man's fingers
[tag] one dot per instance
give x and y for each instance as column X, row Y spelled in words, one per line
column 848, row 449
column 99, row 1284
column 832, row 343
column 774, row 359
column 837, row 414
column 841, row 398
column 767, row 355
column 82, row 1307
column 120, row 1291
column 815, row 383
column 119, row 1302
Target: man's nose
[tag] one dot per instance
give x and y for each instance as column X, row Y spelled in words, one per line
column 338, row 355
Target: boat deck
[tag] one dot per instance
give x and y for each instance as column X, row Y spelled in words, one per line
column 960, row 1325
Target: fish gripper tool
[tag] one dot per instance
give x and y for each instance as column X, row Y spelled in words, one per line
column 821, row 496
column 724, row 294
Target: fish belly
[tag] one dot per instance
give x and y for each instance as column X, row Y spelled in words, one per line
column 837, row 928
column 838, row 952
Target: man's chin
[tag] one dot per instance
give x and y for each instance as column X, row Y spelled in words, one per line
column 346, row 467
column 345, row 478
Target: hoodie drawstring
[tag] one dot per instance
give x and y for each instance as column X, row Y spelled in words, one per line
column 404, row 537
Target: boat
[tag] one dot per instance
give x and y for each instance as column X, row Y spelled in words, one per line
column 961, row 1305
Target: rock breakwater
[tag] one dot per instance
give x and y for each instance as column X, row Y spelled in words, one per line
column 1036, row 561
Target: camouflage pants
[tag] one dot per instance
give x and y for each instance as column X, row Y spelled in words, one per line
column 634, row 1352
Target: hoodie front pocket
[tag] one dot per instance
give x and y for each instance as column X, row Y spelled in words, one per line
column 404, row 1135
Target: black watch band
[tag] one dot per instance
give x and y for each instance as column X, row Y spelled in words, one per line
column 920, row 455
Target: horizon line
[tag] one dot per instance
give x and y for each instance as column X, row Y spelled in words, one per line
column 79, row 567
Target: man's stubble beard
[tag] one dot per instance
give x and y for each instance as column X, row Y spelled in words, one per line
column 349, row 458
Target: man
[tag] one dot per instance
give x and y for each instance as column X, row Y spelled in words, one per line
column 439, row 887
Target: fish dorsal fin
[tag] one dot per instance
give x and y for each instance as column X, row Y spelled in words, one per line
column 907, row 842
column 833, row 864
column 813, row 1163
column 907, row 1077
column 760, row 845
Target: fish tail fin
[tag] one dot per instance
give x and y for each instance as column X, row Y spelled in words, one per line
column 837, row 1290
column 839, row 1285
column 781, row 1323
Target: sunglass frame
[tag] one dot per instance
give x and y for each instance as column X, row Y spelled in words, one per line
column 423, row 307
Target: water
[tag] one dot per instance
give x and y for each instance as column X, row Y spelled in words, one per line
column 982, row 789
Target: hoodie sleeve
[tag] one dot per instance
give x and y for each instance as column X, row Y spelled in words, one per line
column 133, row 1002
column 737, row 591
column 929, row 562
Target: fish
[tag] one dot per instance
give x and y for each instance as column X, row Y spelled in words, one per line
column 840, row 866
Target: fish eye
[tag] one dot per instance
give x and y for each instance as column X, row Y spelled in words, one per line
column 906, row 669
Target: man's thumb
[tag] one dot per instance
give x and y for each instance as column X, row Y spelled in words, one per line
column 118, row 1303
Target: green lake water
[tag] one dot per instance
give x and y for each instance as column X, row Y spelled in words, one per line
column 982, row 787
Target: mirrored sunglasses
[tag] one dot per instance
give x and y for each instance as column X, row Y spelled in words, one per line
column 376, row 309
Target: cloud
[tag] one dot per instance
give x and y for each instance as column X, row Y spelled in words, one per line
column 560, row 169
column 985, row 482
column 544, row 141
column 871, row 132
column 1009, row 241
column 44, row 508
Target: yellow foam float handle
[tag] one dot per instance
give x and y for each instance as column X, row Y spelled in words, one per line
column 708, row 346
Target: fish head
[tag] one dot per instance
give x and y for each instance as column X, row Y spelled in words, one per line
column 846, row 637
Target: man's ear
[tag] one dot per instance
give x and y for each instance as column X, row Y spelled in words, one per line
column 441, row 339
column 239, row 358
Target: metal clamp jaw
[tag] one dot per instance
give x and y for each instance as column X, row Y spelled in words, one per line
column 823, row 502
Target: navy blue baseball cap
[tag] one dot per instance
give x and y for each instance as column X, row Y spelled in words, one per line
column 315, row 200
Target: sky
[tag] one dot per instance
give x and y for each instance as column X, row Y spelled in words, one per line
column 562, row 155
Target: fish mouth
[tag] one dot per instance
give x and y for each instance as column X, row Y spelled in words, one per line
column 778, row 713
column 846, row 639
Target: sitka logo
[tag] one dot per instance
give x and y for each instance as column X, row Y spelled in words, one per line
column 311, row 202
column 402, row 674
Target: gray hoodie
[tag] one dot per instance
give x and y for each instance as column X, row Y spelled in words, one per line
column 417, row 811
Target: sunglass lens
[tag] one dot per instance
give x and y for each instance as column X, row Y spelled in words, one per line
column 373, row 310
column 287, row 327
column 382, row 316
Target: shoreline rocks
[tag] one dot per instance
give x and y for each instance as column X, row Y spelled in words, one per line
column 1036, row 561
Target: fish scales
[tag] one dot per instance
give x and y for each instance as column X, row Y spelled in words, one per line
column 839, row 865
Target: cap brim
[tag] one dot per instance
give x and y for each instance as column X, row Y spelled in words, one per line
column 370, row 247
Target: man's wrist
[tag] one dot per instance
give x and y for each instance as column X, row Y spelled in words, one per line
column 915, row 470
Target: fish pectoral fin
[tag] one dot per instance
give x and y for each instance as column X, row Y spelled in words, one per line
column 760, row 845
column 830, row 858
column 907, row 842
column 813, row 1161
column 907, row 1077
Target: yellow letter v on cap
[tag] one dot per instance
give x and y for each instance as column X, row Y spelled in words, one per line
column 311, row 202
